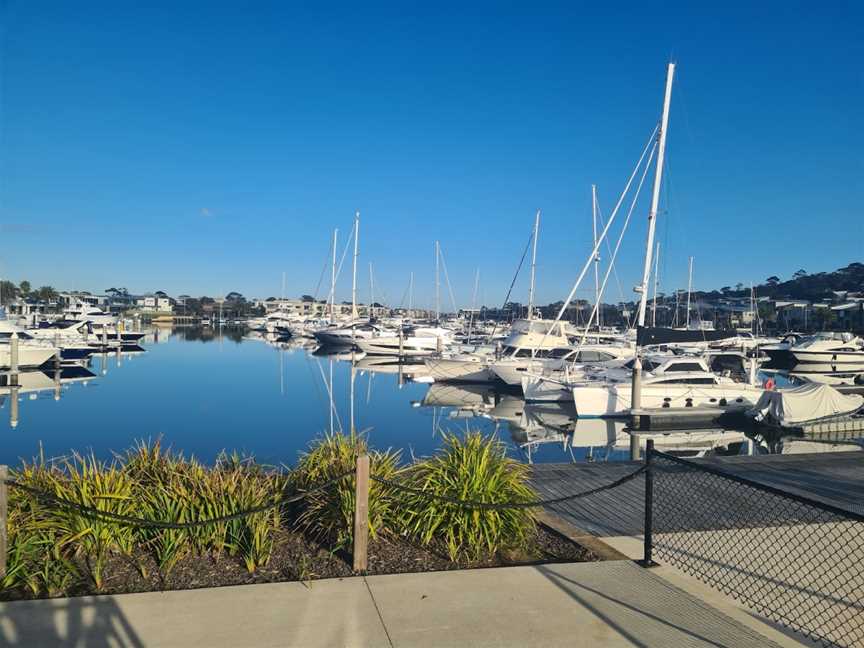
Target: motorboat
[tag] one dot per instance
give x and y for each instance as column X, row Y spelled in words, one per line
column 679, row 382
column 552, row 384
column 464, row 366
column 413, row 341
column 347, row 335
column 29, row 356
column 843, row 351
column 530, row 342
column 779, row 354
column 805, row 404
column 86, row 313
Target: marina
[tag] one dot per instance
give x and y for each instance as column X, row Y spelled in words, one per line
column 392, row 325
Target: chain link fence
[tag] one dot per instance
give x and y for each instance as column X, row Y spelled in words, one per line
column 796, row 561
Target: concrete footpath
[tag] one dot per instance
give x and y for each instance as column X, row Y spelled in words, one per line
column 613, row 603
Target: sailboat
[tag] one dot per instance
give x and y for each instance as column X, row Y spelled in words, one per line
column 671, row 385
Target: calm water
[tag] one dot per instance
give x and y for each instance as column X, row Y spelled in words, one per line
column 203, row 392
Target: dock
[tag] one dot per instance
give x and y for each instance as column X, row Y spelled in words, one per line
column 836, row 479
column 675, row 419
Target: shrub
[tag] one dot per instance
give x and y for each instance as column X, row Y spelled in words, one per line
column 474, row 467
column 329, row 514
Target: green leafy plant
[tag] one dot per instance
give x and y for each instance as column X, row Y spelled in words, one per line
column 103, row 486
column 329, row 514
column 470, row 468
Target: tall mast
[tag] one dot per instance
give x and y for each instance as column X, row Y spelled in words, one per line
column 476, row 286
column 371, row 290
column 533, row 265
column 283, row 285
column 677, row 304
column 656, row 282
column 333, row 279
column 437, row 283
column 689, row 290
column 754, row 320
column 354, row 271
column 410, row 293
column 596, row 256
column 655, row 197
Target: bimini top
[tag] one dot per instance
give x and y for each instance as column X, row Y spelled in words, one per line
column 805, row 404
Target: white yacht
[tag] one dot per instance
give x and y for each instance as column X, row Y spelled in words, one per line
column 346, row 336
column 279, row 322
column 465, row 366
column 554, row 383
column 679, row 382
column 29, row 356
column 535, row 345
column 415, row 341
column 833, row 350
column 87, row 313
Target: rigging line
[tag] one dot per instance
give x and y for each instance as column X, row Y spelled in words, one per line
column 515, row 276
column 323, row 270
column 342, row 261
column 615, row 270
column 404, row 295
column 602, row 234
column 620, row 238
column 447, row 278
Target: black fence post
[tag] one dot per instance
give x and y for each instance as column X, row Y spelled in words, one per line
column 649, row 505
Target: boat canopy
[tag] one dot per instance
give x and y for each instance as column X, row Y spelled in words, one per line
column 805, row 404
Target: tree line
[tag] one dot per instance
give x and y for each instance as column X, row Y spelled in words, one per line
column 9, row 291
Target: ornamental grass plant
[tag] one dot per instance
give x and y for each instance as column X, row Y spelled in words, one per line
column 472, row 467
column 328, row 515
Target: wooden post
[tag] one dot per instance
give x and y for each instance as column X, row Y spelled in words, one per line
column 361, row 513
column 4, row 475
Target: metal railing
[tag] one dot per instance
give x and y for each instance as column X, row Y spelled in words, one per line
column 797, row 561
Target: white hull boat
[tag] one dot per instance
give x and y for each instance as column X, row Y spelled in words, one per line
column 615, row 399
column 400, row 346
column 28, row 356
column 809, row 403
column 842, row 351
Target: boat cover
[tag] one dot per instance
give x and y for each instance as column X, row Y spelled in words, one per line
column 807, row 403
column 648, row 336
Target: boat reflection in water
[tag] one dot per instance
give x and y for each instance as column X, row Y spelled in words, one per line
column 533, row 427
column 37, row 383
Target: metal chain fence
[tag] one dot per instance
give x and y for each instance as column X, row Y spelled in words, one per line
column 796, row 561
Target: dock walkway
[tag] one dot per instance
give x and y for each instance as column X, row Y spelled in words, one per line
column 833, row 478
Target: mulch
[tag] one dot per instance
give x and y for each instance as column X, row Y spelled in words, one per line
column 296, row 557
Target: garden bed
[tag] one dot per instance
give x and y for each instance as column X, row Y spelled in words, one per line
column 152, row 519
column 296, row 558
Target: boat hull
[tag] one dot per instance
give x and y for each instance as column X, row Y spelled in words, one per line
column 27, row 356
column 394, row 346
column 615, row 400
column 847, row 359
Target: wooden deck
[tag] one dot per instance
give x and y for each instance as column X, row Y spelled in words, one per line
column 834, row 478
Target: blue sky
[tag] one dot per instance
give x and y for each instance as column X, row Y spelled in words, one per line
column 203, row 148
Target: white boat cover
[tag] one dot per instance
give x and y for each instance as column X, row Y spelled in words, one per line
column 810, row 402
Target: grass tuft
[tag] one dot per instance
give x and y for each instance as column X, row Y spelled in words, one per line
column 474, row 467
column 329, row 515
